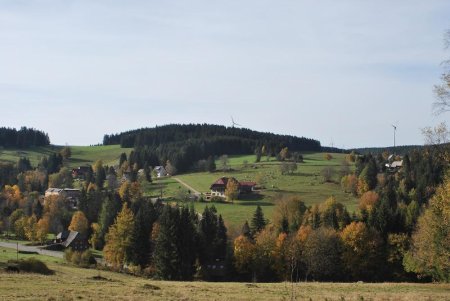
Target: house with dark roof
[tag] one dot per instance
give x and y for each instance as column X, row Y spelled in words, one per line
column 218, row 187
column 72, row 239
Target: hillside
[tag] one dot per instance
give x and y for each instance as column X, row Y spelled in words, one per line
column 81, row 155
column 306, row 182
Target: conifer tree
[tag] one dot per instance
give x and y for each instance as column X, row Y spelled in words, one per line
column 166, row 255
column 187, row 238
column 258, row 220
column 141, row 243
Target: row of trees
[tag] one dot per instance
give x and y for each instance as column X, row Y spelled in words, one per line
column 22, row 138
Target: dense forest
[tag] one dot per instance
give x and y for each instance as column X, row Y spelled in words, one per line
column 23, row 138
column 184, row 145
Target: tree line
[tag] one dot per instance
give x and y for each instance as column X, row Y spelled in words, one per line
column 23, row 138
column 185, row 145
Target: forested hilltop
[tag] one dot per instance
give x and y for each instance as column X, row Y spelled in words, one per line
column 23, row 138
column 246, row 140
column 184, row 145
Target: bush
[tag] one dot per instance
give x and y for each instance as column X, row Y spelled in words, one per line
column 30, row 265
column 82, row 259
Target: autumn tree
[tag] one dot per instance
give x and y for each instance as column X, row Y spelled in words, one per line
column 368, row 200
column 327, row 156
column 66, row 152
column 265, row 260
column 170, row 168
column 119, row 238
column 79, row 223
column 322, row 254
column 62, row 179
column 430, row 251
column 349, row 183
column 284, row 154
column 232, row 189
column 244, row 252
column 362, row 252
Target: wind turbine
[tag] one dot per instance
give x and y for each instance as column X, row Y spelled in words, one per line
column 234, row 123
column 395, row 130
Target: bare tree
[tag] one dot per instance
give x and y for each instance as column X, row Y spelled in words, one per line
column 442, row 91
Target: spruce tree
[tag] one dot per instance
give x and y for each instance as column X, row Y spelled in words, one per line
column 258, row 221
column 187, row 239
column 166, row 256
column 141, row 244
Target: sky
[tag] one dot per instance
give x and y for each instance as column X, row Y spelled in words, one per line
column 338, row 71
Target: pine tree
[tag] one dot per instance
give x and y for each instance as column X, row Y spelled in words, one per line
column 141, row 244
column 166, row 255
column 110, row 208
column 258, row 221
column 245, row 231
column 187, row 239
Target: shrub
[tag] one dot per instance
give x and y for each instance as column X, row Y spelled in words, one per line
column 31, row 265
column 82, row 259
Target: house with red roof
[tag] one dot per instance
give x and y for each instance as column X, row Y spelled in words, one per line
column 218, row 187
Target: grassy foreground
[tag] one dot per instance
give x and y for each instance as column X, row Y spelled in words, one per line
column 72, row 283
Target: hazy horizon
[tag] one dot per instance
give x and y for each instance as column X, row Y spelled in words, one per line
column 339, row 72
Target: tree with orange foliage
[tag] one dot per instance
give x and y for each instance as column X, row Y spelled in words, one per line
column 362, row 251
column 368, row 200
column 42, row 228
column 349, row 183
column 244, row 252
column 79, row 223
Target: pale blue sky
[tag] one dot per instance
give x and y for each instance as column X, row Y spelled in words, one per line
column 339, row 71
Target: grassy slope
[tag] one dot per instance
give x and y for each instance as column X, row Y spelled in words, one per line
column 81, row 155
column 71, row 283
column 305, row 182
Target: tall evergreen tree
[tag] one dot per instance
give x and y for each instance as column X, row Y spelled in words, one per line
column 187, row 239
column 141, row 244
column 166, row 256
column 258, row 221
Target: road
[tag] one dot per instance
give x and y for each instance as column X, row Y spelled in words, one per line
column 13, row 245
column 188, row 187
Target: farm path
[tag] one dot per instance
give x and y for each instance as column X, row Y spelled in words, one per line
column 187, row 186
column 13, row 245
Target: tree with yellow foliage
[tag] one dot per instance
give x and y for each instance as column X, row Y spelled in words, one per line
column 430, row 251
column 119, row 238
column 362, row 251
column 232, row 189
column 244, row 252
column 79, row 223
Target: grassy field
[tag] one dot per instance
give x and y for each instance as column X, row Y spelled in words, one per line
column 72, row 283
column 306, row 182
column 81, row 155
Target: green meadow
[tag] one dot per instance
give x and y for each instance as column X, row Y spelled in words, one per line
column 81, row 155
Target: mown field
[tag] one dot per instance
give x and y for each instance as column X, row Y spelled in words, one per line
column 306, row 182
column 81, row 155
column 72, row 283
